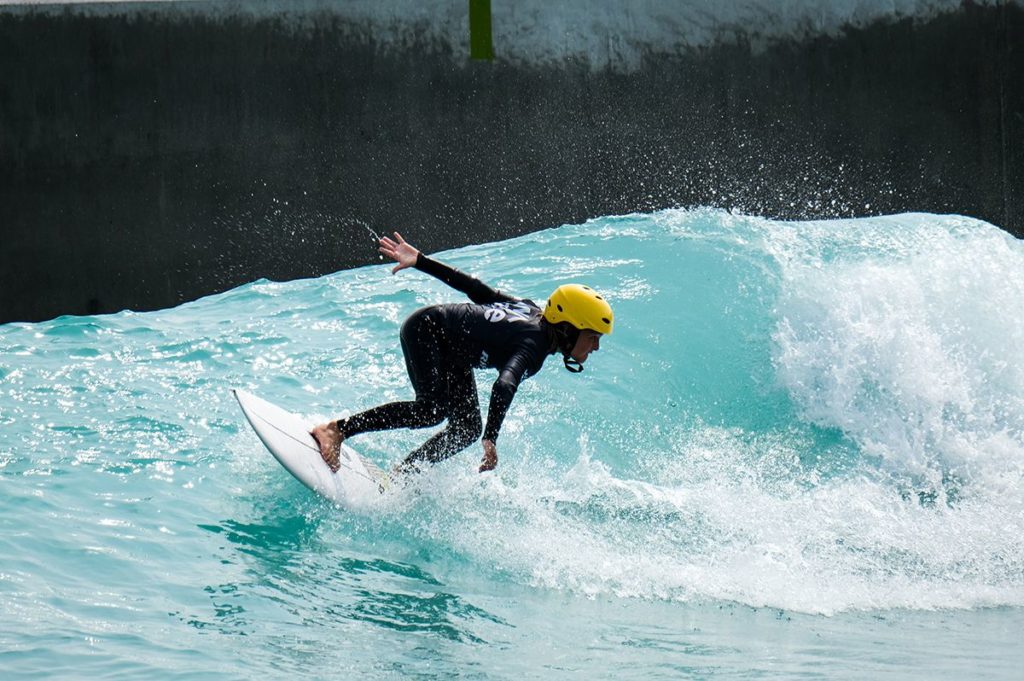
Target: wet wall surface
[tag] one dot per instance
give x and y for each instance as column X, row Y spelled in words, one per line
column 150, row 159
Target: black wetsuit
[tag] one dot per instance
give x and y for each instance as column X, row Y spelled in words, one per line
column 442, row 346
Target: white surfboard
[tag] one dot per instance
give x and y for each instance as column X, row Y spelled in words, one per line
column 358, row 480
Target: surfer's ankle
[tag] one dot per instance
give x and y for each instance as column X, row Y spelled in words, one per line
column 331, row 430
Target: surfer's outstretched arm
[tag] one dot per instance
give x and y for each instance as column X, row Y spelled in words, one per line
column 407, row 255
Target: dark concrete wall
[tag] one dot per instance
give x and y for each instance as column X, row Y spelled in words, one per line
column 153, row 157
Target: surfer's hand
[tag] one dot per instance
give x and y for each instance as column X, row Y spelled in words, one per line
column 490, row 461
column 399, row 251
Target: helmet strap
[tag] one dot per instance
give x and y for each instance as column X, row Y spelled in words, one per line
column 565, row 335
column 572, row 365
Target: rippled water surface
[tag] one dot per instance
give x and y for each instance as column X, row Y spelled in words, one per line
column 800, row 454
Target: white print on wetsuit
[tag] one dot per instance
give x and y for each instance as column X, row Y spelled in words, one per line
column 514, row 312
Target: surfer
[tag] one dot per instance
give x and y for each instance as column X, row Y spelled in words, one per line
column 444, row 343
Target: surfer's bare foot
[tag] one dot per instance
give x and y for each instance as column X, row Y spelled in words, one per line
column 329, row 438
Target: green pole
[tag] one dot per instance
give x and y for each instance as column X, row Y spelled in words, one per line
column 481, row 45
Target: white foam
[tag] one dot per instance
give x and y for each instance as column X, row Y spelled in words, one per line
column 723, row 532
column 916, row 353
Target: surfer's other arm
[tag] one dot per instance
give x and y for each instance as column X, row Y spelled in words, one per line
column 407, row 255
column 502, row 392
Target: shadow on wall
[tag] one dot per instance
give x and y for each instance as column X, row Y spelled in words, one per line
column 152, row 160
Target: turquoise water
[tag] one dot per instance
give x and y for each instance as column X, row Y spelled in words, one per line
column 801, row 454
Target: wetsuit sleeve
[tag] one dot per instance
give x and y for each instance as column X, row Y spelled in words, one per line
column 504, row 389
column 478, row 292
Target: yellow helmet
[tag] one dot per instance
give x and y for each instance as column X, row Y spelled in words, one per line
column 581, row 306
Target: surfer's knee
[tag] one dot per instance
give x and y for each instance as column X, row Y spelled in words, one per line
column 431, row 412
column 467, row 429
